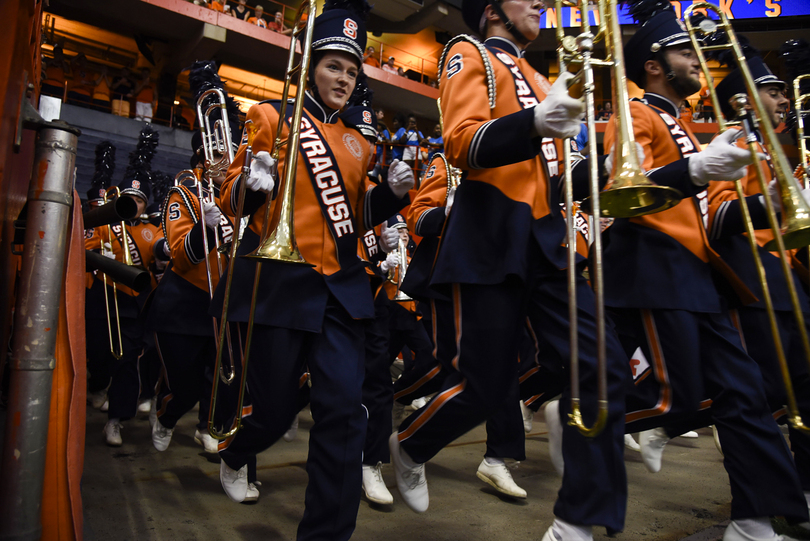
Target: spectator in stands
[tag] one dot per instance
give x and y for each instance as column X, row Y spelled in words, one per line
column 56, row 71
column 144, row 97
column 434, row 143
column 389, row 66
column 410, row 137
column 397, row 133
column 606, row 113
column 241, row 11
column 277, row 25
column 257, row 18
column 80, row 87
column 686, row 111
column 370, row 59
column 101, row 91
column 579, row 144
column 122, row 88
column 400, row 71
column 708, row 108
column 383, row 136
column 217, row 5
column 178, row 118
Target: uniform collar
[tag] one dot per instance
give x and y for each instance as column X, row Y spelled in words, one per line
column 661, row 102
column 503, row 44
column 316, row 110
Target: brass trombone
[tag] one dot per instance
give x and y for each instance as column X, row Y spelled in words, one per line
column 279, row 245
column 127, row 260
column 397, row 276
column 792, row 199
column 800, row 105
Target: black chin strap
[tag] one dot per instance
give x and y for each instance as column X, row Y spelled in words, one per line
column 509, row 24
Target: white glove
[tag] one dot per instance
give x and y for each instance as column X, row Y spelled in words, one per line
column 721, row 160
column 400, row 178
column 212, row 214
column 773, row 193
column 612, row 157
column 451, row 196
column 389, row 239
column 559, row 115
column 391, row 262
column 262, row 173
column 107, row 251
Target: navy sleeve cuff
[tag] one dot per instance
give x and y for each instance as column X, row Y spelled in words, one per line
column 581, row 180
column 728, row 219
column 160, row 249
column 676, row 175
column 380, row 204
column 253, row 200
column 504, row 141
column 193, row 243
column 431, row 222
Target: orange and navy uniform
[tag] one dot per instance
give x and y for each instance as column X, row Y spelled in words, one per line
column 504, row 175
column 665, row 255
column 182, row 298
column 728, row 237
column 330, row 150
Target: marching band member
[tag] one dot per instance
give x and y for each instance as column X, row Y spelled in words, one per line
column 312, row 315
column 183, row 330
column 500, row 259
column 674, row 310
column 505, row 439
column 124, row 384
column 726, row 232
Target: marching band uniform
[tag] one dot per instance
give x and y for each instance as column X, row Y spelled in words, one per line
column 726, row 231
column 125, row 384
column 310, row 315
column 500, row 258
column 674, row 311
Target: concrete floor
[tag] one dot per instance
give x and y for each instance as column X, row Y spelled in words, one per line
column 135, row 493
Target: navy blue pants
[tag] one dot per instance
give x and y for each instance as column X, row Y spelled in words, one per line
column 378, row 390
column 406, row 330
column 335, row 358
column 758, row 341
column 505, row 436
column 125, row 383
column 594, row 491
column 542, row 373
column 695, row 356
column 188, row 363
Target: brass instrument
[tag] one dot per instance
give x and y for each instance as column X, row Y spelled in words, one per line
column 792, row 199
column 397, row 276
column 127, row 261
column 280, row 244
column 630, row 193
column 217, row 147
column 800, row 105
column 121, row 208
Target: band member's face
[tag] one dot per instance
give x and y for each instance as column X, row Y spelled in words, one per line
column 403, row 234
column 525, row 14
column 775, row 103
column 141, row 204
column 335, row 77
column 683, row 62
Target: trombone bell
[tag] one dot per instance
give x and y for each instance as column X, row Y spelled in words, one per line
column 795, row 219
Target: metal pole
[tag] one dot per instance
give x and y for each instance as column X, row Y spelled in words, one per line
column 50, row 197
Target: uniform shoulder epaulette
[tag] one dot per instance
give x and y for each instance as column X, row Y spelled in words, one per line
column 187, row 197
column 484, row 57
column 270, row 102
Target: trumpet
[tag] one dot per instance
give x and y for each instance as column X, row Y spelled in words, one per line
column 127, row 261
column 794, row 207
column 397, row 276
column 279, row 245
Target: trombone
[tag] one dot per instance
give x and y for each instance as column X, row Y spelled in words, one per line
column 279, row 245
column 397, row 276
column 794, row 206
column 127, row 260
column 800, row 105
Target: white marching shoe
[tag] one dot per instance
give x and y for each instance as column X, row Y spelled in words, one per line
column 652, row 443
column 374, row 487
column 411, row 480
column 161, row 436
column 690, row 434
column 734, row 532
column 252, row 494
column 555, row 435
column 209, row 443
column 292, row 432
column 97, row 399
column 495, row 473
column 145, row 406
column 234, row 482
column 528, row 417
column 112, row 433
column 630, row 443
column 564, row 531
